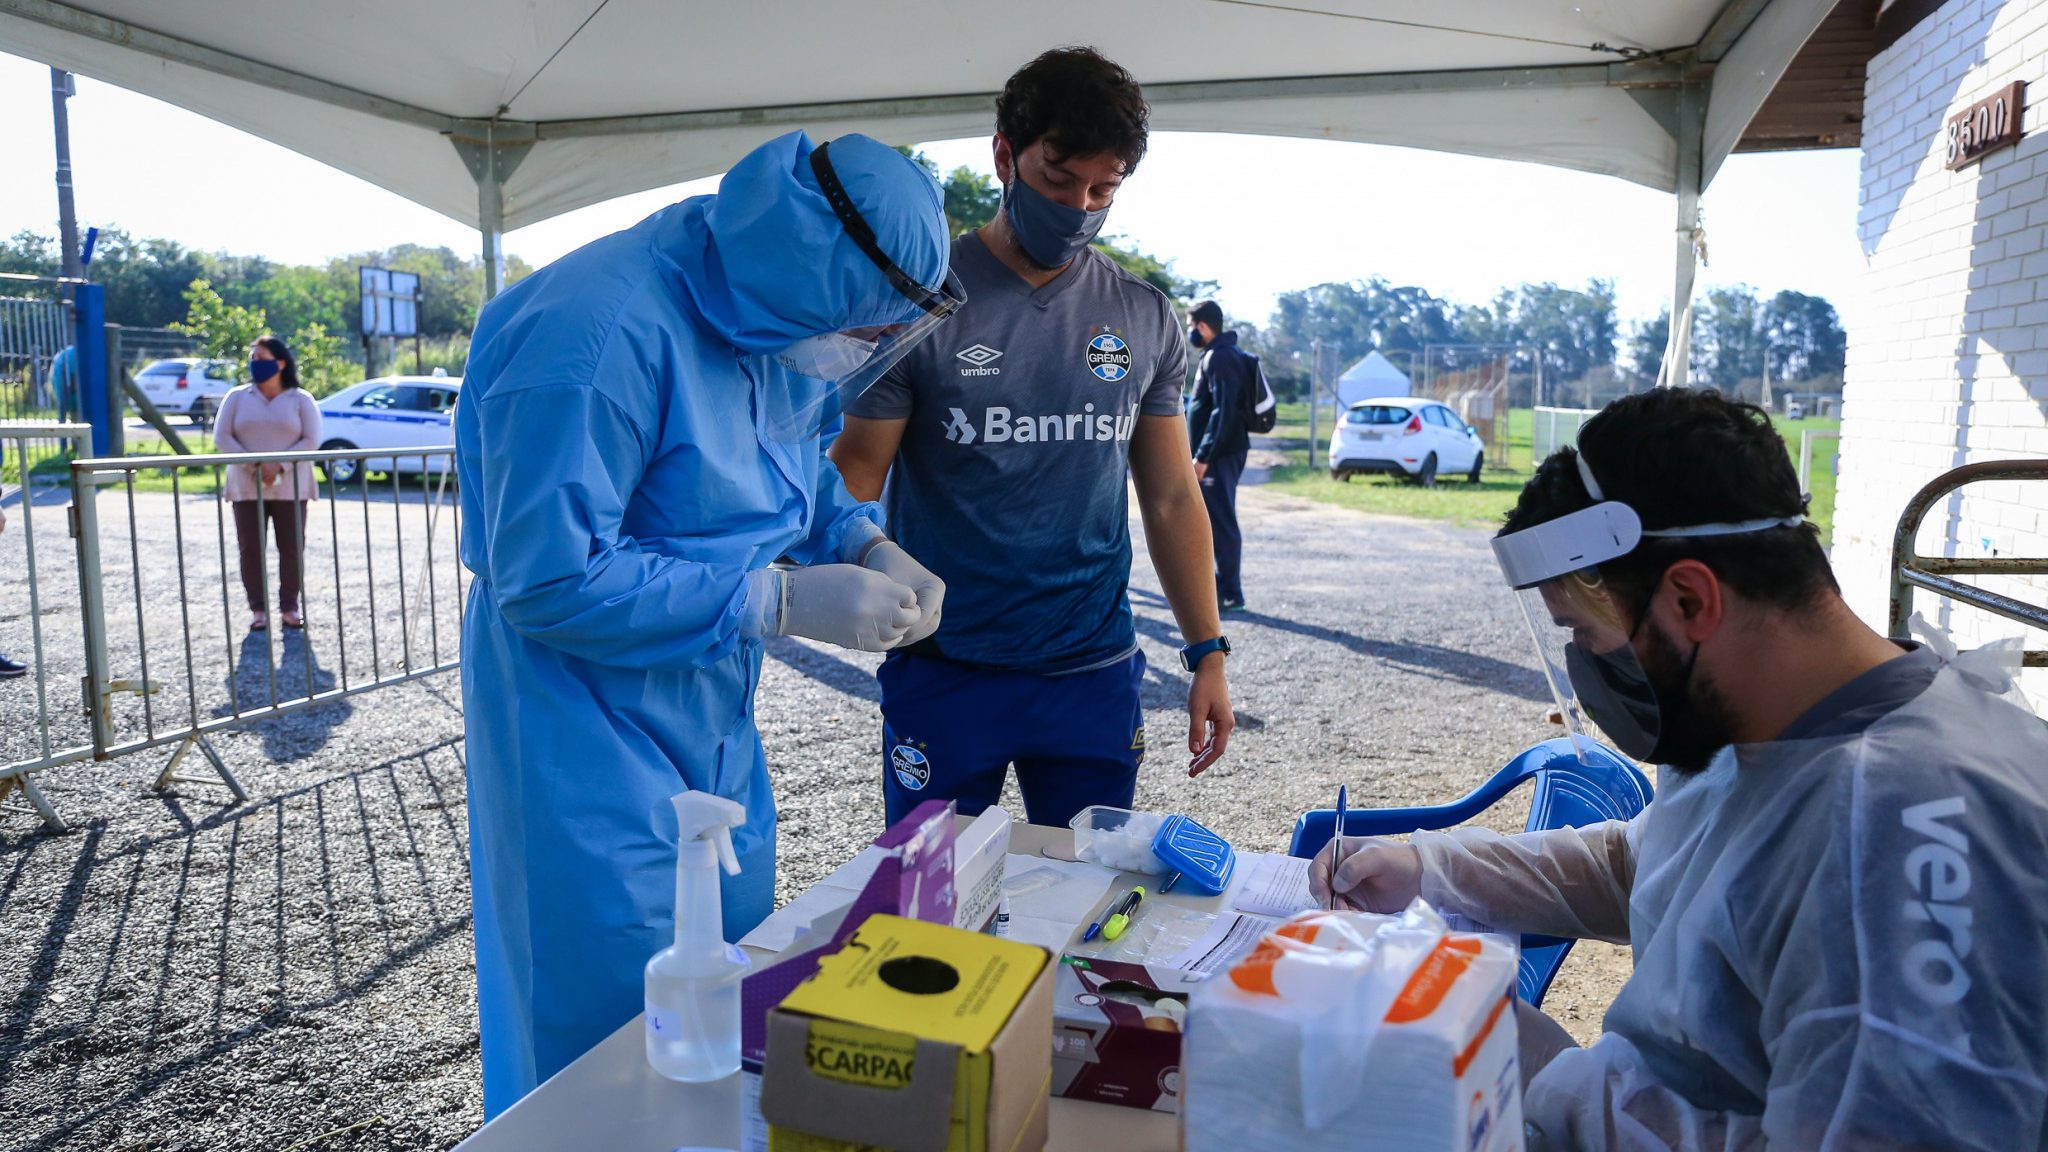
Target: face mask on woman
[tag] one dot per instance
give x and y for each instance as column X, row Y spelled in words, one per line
column 262, row 370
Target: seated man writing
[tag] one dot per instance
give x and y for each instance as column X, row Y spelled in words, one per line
column 1837, row 902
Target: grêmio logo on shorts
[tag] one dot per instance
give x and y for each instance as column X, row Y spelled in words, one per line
column 999, row 425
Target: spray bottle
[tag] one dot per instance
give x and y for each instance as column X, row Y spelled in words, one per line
column 693, row 987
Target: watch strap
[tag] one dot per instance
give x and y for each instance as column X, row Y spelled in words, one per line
column 1193, row 653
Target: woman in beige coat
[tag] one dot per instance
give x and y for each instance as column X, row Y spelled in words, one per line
column 272, row 414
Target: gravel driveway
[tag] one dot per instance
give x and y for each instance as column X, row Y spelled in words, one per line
column 186, row 972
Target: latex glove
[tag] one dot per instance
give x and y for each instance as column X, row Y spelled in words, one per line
column 1376, row 875
column 888, row 558
column 847, row 605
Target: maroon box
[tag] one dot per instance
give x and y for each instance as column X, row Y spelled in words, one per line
column 1116, row 1032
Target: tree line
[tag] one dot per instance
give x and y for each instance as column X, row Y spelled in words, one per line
column 1575, row 331
column 1586, row 356
column 145, row 282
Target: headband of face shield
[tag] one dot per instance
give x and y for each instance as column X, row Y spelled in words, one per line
column 836, row 367
column 1582, row 632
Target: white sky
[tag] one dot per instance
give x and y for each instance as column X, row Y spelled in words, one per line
column 1260, row 215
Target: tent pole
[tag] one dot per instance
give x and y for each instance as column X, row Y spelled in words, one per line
column 490, row 215
column 491, row 150
column 1692, row 120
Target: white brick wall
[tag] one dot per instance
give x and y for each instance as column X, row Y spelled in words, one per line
column 1948, row 357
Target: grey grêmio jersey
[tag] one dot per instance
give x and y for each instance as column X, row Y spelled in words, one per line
column 1010, row 481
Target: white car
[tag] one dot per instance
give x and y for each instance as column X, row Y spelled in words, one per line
column 186, row 387
column 390, row 412
column 1405, row 437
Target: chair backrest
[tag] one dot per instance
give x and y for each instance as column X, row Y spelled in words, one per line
column 1576, row 784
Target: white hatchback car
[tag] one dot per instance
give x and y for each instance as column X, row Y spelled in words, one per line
column 186, row 387
column 1405, row 437
column 390, row 412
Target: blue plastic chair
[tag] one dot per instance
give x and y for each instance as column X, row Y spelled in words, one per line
column 1569, row 793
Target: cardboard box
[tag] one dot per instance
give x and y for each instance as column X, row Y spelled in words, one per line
column 913, row 878
column 913, row 1038
column 978, row 858
column 1116, row 1032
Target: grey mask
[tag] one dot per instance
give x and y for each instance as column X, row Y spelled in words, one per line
column 1050, row 233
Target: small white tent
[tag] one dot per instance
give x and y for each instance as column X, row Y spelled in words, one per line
column 1373, row 376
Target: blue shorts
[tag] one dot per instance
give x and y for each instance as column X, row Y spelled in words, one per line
column 950, row 732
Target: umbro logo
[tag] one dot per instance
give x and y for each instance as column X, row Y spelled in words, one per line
column 979, row 360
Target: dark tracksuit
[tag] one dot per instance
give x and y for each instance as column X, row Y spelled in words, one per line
column 1226, row 384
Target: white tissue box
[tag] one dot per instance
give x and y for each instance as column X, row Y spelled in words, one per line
column 1441, row 1074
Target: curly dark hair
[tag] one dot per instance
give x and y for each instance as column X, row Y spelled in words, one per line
column 1683, row 456
column 1079, row 102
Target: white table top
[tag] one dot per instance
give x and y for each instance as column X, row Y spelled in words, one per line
column 610, row 1099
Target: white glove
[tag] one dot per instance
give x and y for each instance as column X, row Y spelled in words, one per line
column 1375, row 876
column 847, row 605
column 892, row 561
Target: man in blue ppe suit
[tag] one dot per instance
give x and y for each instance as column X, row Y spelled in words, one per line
column 637, row 444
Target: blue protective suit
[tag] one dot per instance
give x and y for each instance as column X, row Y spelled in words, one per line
column 618, row 484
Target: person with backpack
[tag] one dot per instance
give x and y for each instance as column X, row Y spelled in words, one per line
column 1231, row 401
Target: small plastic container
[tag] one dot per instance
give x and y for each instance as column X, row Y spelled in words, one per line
column 1118, row 838
column 1205, row 859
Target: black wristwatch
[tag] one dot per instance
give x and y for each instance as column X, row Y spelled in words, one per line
column 1193, row 653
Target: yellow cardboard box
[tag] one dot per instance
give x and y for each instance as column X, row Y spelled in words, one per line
column 913, row 1037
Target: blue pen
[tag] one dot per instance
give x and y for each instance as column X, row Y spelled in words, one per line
column 1337, row 846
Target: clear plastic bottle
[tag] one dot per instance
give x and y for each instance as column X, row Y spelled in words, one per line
column 693, row 986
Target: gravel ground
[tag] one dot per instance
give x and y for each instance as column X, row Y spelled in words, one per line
column 183, row 972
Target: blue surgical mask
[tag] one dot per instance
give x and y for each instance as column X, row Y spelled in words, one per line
column 261, row 370
column 1050, row 232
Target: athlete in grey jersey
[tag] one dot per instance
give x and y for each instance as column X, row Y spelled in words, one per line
column 1005, row 453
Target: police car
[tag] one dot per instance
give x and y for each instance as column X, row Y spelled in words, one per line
column 1407, row 438
column 390, row 412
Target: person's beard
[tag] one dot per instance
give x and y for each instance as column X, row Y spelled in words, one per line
column 1695, row 718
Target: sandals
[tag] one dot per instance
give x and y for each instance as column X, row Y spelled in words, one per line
column 259, row 622
column 291, row 619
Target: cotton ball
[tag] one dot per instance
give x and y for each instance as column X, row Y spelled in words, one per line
column 1129, row 848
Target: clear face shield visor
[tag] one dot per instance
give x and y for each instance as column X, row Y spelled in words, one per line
column 1582, row 631
column 830, row 370
column 1579, row 629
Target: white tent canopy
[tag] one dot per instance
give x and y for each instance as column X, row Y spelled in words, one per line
column 502, row 113
column 1370, row 378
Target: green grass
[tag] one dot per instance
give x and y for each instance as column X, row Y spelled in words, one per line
column 1485, row 503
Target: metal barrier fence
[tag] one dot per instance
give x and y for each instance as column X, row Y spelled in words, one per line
column 165, row 652
column 36, row 596
column 1911, row 570
column 1556, row 428
column 32, row 332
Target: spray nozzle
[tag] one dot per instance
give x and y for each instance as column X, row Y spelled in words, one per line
column 702, row 816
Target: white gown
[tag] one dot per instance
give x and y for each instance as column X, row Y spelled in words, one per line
column 1839, row 943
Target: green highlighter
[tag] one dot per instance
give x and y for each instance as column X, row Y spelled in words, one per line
column 1119, row 920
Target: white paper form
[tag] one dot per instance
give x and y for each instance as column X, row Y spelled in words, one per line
column 1050, row 899
column 1232, row 935
column 1276, row 885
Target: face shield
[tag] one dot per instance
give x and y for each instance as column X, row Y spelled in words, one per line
column 1582, row 631
column 830, row 369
